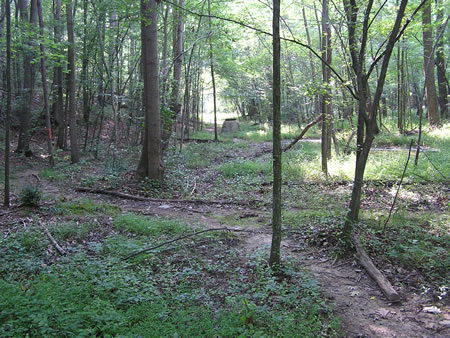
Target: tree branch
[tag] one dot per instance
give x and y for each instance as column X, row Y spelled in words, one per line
column 134, row 254
column 299, row 137
column 293, row 40
column 372, row 66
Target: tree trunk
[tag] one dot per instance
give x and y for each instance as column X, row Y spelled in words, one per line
column 275, row 255
column 59, row 103
column 366, row 122
column 326, row 97
column 428, row 65
column 150, row 164
column 84, row 75
column 6, row 200
column 45, row 86
column 440, row 64
column 178, row 35
column 28, row 79
column 211, row 58
column 164, row 72
column 74, row 149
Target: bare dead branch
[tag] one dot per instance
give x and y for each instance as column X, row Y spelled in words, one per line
column 299, row 137
column 134, row 254
column 58, row 248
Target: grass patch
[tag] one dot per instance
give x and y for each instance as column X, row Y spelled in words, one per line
column 73, row 231
column 141, row 225
column 86, row 206
column 418, row 242
column 244, row 168
column 202, row 155
column 263, row 132
column 52, row 174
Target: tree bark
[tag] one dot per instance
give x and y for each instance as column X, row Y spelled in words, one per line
column 150, row 164
column 74, row 148
column 28, row 79
column 45, row 86
column 440, row 64
column 326, row 97
column 428, row 66
column 366, row 122
column 275, row 255
column 211, row 58
column 6, row 200
column 59, row 103
column 178, row 35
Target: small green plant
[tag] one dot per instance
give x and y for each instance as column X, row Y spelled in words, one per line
column 85, row 206
column 142, row 225
column 52, row 174
column 30, row 196
column 244, row 167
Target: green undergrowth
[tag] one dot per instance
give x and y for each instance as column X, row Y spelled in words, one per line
column 52, row 174
column 141, row 225
column 414, row 241
column 245, row 168
column 198, row 287
column 263, row 132
column 202, row 155
column 86, row 206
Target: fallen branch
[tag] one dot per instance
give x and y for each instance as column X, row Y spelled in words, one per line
column 299, row 137
column 53, row 241
column 148, row 199
column 179, row 239
column 373, row 272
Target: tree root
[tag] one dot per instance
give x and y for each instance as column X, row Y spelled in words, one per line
column 373, row 272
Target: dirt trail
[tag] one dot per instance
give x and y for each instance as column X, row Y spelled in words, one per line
column 363, row 310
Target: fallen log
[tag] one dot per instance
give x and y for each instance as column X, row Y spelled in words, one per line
column 299, row 137
column 149, row 199
column 373, row 272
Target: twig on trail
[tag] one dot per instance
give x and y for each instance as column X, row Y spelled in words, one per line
column 372, row 270
column 53, row 241
column 299, row 137
column 399, row 185
column 180, row 238
column 38, row 179
column 148, row 199
column 195, row 187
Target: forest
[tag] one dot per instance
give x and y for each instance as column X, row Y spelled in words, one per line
column 224, row 168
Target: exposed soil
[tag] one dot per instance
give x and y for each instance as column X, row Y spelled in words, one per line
column 357, row 300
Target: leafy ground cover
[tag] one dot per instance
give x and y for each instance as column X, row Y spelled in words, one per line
column 218, row 283
column 206, row 287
